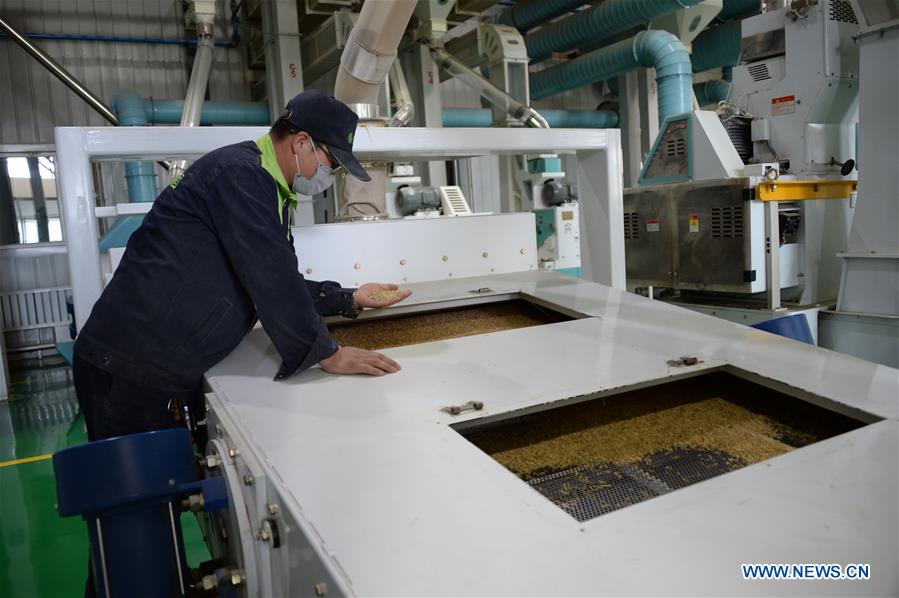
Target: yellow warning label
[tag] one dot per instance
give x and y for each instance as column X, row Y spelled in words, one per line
column 694, row 223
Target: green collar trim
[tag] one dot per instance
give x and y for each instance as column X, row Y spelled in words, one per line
column 270, row 164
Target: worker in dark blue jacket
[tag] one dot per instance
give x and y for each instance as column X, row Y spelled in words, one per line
column 214, row 254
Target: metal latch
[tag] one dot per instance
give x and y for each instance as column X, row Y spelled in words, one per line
column 481, row 291
column 682, row 361
column 469, row 406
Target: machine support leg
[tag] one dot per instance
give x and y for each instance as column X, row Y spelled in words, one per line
column 76, row 193
column 772, row 255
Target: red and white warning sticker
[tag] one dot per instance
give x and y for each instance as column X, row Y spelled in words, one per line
column 652, row 226
column 783, row 105
column 694, row 223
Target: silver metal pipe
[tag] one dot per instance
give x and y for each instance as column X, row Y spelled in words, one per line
column 196, row 88
column 199, row 80
column 405, row 108
column 60, row 73
column 177, row 549
column 506, row 102
column 103, row 568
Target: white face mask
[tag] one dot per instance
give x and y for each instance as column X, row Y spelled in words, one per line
column 321, row 180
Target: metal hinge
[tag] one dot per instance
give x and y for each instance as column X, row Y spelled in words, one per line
column 469, row 406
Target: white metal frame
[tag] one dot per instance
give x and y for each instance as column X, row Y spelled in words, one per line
column 599, row 178
column 396, row 503
column 403, row 251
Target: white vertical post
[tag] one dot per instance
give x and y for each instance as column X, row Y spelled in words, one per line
column 281, row 38
column 430, row 107
column 600, row 192
column 76, row 194
column 772, row 255
column 649, row 104
column 629, row 97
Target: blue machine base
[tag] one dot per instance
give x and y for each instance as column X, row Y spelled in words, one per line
column 576, row 272
column 795, row 327
column 67, row 350
column 129, row 489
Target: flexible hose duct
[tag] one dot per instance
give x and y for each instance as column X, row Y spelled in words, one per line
column 658, row 49
column 594, row 25
column 717, row 46
column 731, row 9
column 530, row 13
column 712, row 92
column 370, row 50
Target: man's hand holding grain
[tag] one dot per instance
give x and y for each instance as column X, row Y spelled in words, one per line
column 352, row 360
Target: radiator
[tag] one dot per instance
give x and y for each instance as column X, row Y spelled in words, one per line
column 27, row 314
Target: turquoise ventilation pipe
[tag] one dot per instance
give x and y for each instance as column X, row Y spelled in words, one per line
column 557, row 119
column 530, row 13
column 596, row 24
column 581, row 119
column 738, row 8
column 139, row 176
column 467, row 117
column 712, row 92
column 133, row 110
column 718, row 46
column 658, row 49
column 168, row 112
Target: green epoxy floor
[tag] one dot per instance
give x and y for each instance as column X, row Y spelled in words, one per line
column 42, row 554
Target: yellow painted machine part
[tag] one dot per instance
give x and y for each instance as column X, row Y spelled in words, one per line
column 803, row 190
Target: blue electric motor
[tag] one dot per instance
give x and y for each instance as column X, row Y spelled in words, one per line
column 129, row 490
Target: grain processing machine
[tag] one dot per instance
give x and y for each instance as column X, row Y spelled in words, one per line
column 731, row 205
column 547, row 435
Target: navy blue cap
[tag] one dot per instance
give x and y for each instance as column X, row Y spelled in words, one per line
column 328, row 121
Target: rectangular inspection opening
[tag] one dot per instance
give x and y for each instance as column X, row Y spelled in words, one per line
column 470, row 320
column 594, row 457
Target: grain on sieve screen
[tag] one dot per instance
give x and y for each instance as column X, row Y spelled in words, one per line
column 441, row 325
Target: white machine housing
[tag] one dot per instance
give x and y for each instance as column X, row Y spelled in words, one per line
column 558, row 238
column 800, row 78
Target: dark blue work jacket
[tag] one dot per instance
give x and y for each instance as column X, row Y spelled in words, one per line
column 212, row 254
